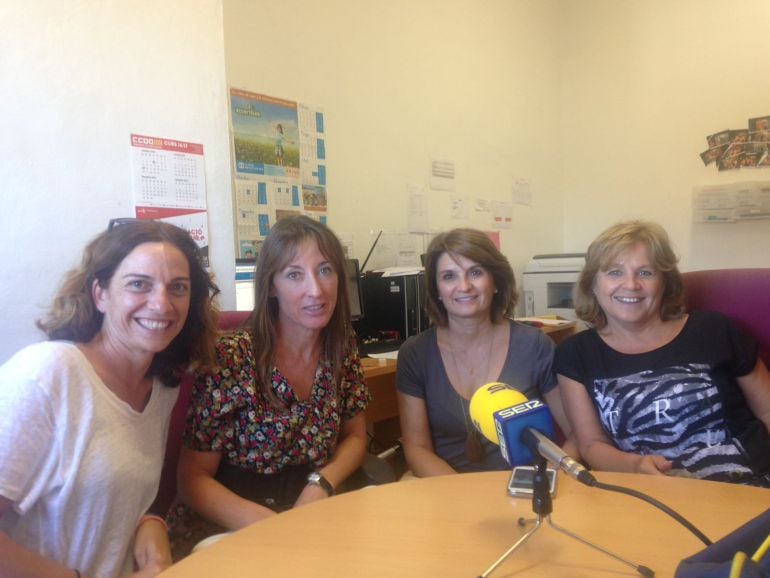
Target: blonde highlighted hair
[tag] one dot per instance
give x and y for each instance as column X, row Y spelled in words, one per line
column 603, row 253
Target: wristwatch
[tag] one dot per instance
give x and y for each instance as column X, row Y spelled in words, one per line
column 317, row 479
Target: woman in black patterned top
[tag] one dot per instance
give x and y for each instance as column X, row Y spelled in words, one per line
column 650, row 389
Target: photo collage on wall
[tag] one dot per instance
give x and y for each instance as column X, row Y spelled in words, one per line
column 279, row 154
column 740, row 148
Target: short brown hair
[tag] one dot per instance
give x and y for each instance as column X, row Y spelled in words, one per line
column 603, row 252
column 478, row 247
column 73, row 315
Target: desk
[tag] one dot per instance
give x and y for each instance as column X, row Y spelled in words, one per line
column 380, row 377
column 382, row 413
column 459, row 525
column 559, row 333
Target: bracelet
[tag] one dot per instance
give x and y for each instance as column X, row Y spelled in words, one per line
column 148, row 517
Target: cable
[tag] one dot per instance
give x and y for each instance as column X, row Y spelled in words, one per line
column 739, row 561
column 761, row 551
column 371, row 251
column 661, row 506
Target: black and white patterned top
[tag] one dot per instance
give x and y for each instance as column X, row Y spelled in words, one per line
column 681, row 401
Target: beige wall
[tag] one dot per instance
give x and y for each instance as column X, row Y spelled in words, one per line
column 643, row 83
column 603, row 104
column 405, row 81
column 76, row 79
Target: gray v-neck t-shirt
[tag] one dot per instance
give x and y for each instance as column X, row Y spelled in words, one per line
column 421, row 373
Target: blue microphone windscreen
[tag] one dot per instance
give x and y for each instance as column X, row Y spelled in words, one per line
column 511, row 421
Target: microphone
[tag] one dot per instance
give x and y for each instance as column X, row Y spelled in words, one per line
column 522, row 428
column 512, row 422
column 540, row 444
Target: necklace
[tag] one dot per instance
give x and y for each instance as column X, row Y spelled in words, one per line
column 470, row 384
column 474, row 453
column 473, row 449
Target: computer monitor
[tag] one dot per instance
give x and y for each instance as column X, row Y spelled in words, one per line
column 355, row 293
column 244, row 286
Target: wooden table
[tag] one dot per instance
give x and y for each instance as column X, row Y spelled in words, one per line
column 459, row 525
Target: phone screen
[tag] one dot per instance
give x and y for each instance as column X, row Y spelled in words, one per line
column 521, row 481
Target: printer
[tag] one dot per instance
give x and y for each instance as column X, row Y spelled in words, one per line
column 549, row 284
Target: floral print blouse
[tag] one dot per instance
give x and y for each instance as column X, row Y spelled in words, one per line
column 229, row 412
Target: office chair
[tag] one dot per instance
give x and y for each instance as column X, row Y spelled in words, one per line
column 741, row 294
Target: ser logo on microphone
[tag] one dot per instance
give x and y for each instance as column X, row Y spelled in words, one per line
column 521, row 408
column 510, row 422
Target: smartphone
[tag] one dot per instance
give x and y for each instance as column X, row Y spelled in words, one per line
column 520, row 483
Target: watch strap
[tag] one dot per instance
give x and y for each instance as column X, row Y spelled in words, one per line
column 318, row 479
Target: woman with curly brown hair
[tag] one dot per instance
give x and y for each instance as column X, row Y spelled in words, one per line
column 85, row 415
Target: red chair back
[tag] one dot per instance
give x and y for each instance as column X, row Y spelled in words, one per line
column 741, row 294
column 228, row 321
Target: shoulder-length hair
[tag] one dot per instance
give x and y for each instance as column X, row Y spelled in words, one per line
column 478, row 247
column 278, row 250
column 603, row 253
column 73, row 315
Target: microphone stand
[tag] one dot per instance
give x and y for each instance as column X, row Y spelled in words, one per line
column 542, row 505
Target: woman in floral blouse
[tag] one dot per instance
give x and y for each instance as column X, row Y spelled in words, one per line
column 280, row 422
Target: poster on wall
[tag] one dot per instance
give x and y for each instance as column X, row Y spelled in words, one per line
column 169, row 184
column 279, row 154
column 732, row 202
column 502, row 215
column 265, row 135
column 312, row 147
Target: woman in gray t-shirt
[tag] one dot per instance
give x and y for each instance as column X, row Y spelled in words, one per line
column 471, row 294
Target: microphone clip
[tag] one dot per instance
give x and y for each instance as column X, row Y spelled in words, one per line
column 542, row 503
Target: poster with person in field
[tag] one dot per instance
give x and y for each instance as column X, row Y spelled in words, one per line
column 265, row 135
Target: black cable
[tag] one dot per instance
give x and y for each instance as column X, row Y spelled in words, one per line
column 371, row 251
column 661, row 506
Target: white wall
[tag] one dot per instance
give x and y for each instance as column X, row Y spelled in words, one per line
column 644, row 82
column 603, row 104
column 76, row 79
column 403, row 82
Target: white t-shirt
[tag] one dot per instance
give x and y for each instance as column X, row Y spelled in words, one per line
column 79, row 464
